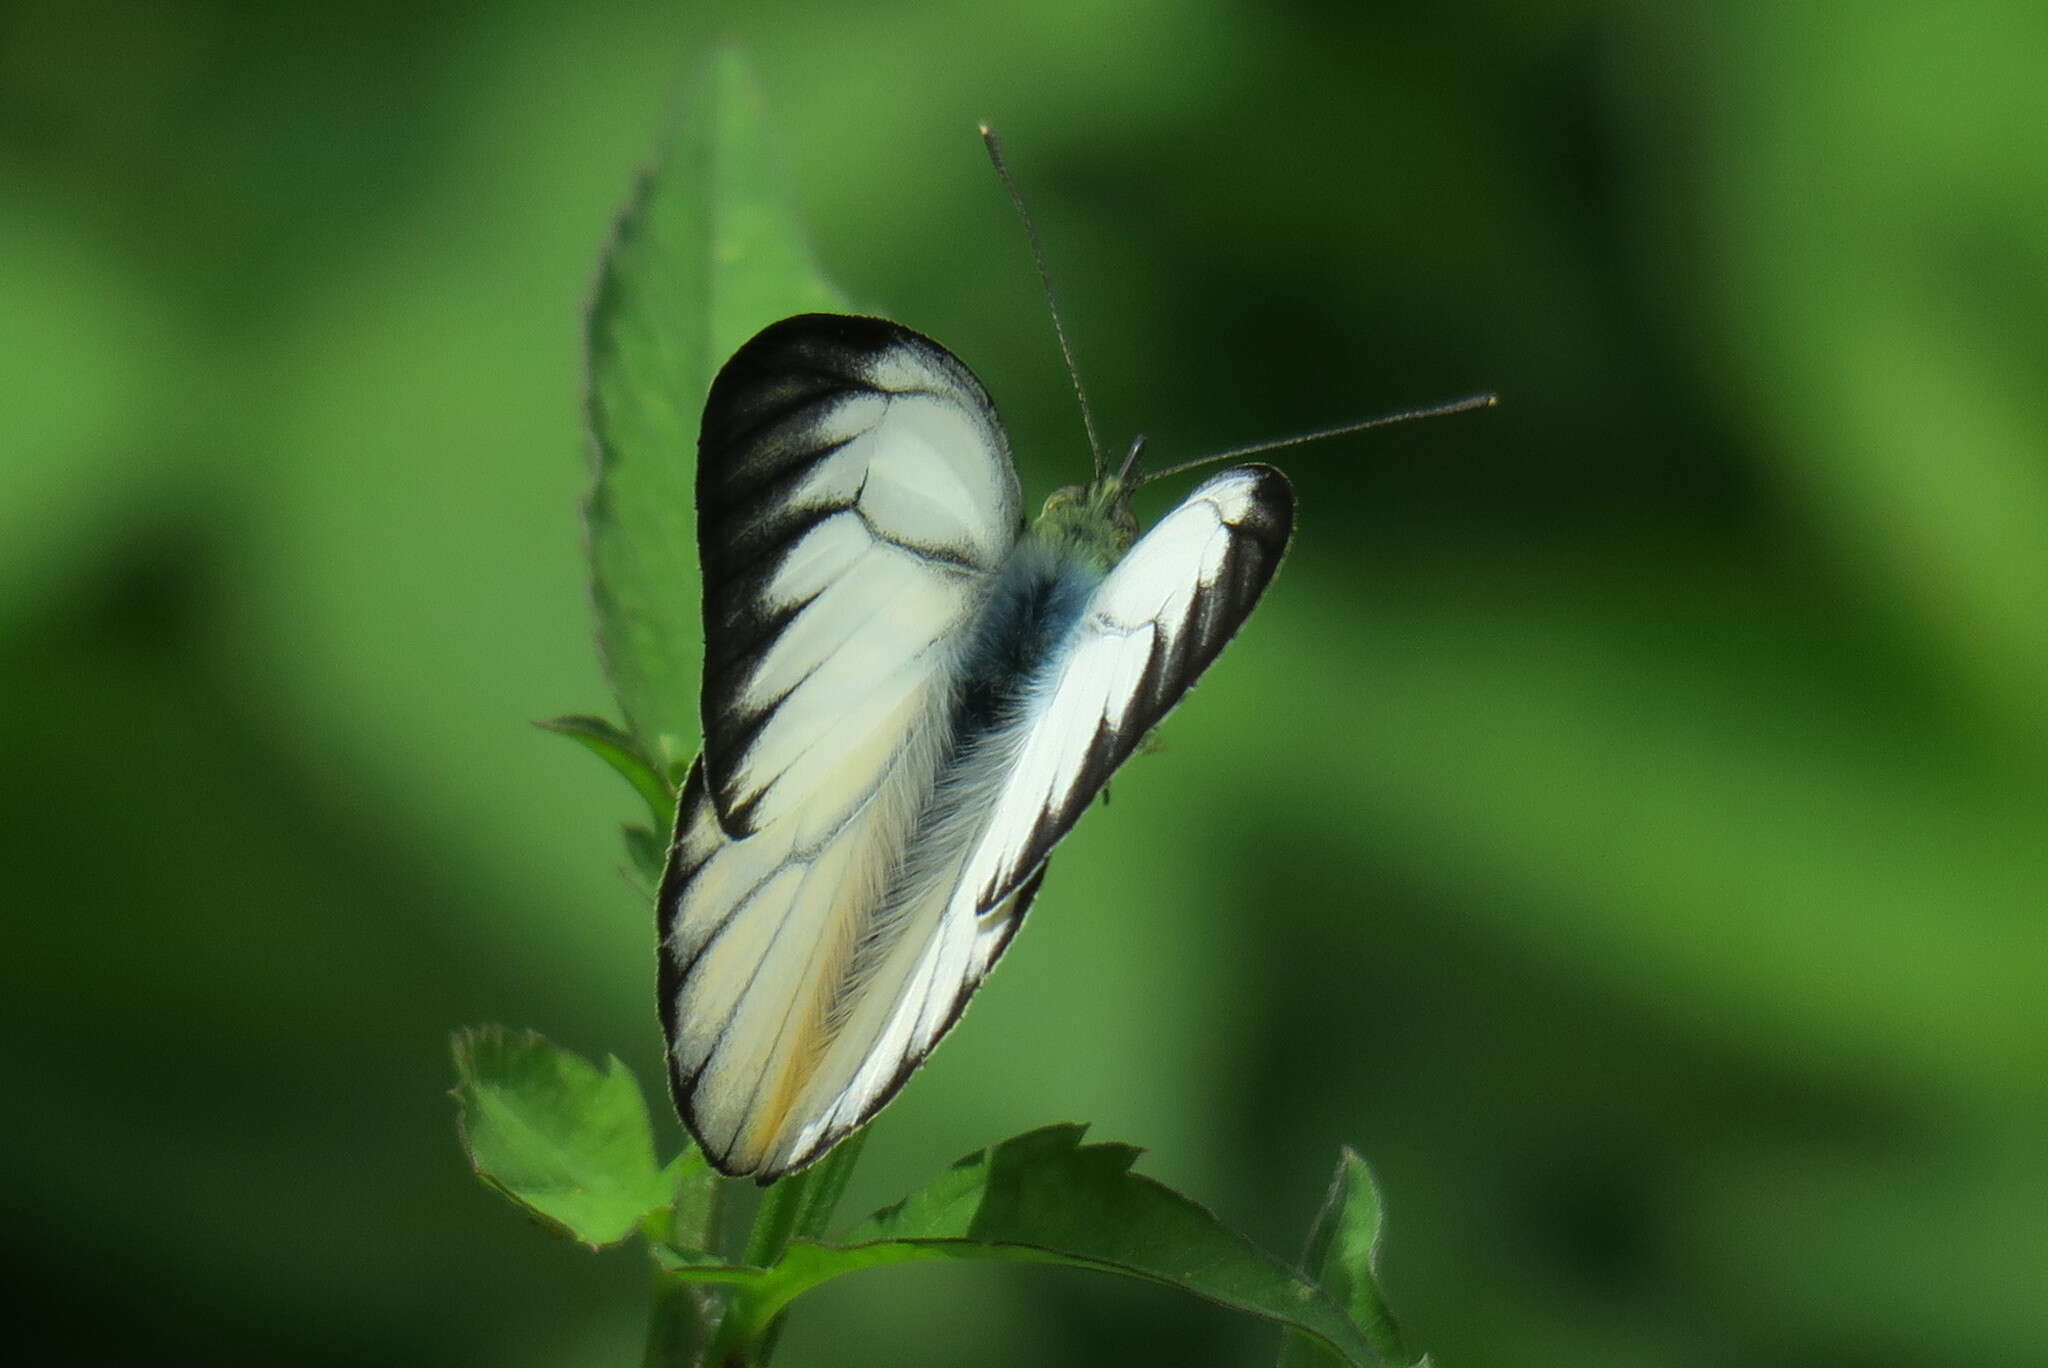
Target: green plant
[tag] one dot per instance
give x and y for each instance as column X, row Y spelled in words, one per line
column 707, row 252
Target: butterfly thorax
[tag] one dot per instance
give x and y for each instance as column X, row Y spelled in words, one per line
column 1090, row 522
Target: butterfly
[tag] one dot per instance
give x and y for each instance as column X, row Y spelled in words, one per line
column 909, row 696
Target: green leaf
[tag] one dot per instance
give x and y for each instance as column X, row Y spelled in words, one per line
column 570, row 1144
column 619, row 750
column 1044, row 1197
column 707, row 253
column 1343, row 1255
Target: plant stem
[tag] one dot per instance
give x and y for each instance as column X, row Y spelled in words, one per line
column 684, row 1317
column 681, row 1323
column 798, row 1207
column 698, row 1218
column 801, row 1205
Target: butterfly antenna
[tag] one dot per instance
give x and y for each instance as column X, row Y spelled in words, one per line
column 995, row 155
column 1123, row 474
column 1465, row 405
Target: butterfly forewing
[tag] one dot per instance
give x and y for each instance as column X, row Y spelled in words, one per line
column 855, row 493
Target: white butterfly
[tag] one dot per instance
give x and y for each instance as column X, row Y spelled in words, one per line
column 909, row 698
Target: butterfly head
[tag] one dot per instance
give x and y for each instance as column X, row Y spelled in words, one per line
column 1093, row 521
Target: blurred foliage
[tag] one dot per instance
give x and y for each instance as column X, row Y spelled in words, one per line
column 1622, row 821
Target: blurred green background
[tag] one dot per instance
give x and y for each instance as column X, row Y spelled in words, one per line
column 1623, row 822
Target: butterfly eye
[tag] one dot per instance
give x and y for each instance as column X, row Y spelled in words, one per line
column 1126, row 522
column 1064, row 498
